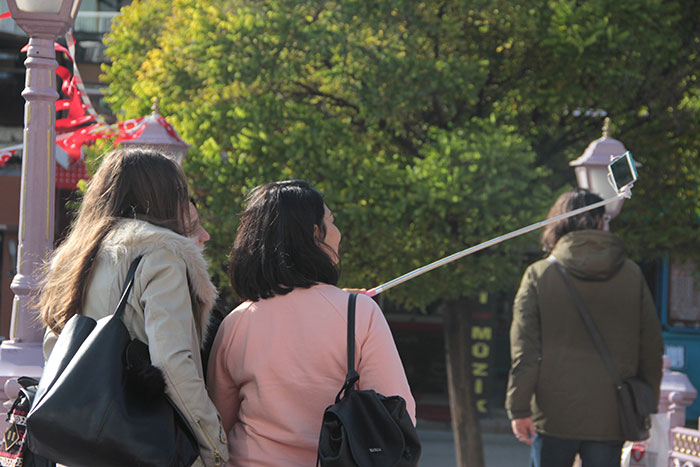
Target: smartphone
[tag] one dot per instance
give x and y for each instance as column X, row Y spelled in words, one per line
column 622, row 172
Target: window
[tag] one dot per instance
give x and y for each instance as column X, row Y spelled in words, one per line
column 684, row 295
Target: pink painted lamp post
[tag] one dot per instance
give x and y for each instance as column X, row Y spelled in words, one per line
column 592, row 168
column 677, row 393
column 43, row 21
column 159, row 135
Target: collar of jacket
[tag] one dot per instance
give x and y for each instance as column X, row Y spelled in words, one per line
column 590, row 254
column 130, row 238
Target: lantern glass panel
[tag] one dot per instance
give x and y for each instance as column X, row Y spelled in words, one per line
column 600, row 183
column 74, row 8
column 39, row 6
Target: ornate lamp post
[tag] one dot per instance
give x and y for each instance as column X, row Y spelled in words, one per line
column 592, row 168
column 158, row 134
column 43, row 21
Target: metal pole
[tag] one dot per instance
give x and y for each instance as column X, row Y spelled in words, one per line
column 36, row 216
column 453, row 257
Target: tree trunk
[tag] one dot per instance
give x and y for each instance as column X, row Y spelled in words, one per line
column 465, row 421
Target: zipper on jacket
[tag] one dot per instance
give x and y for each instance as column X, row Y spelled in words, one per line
column 217, row 455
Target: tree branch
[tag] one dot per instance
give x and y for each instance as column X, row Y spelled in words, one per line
column 339, row 101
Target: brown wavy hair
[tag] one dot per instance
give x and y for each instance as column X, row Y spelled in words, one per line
column 131, row 184
column 569, row 201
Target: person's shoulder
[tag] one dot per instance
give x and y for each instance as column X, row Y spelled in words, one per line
column 161, row 255
column 537, row 268
column 339, row 296
column 241, row 310
column 632, row 269
column 328, row 292
column 631, row 265
column 158, row 263
column 229, row 322
column 367, row 303
column 244, row 308
column 185, row 269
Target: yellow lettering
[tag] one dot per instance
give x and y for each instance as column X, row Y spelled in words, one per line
column 480, row 369
column 481, row 333
column 480, row 350
column 481, row 405
column 479, row 386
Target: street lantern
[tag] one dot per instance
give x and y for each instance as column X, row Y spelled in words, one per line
column 592, row 168
column 43, row 21
column 159, row 135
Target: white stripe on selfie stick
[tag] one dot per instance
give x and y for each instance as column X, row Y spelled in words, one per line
column 626, row 193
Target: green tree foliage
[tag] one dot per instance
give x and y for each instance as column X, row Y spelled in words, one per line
column 396, row 109
column 135, row 32
column 362, row 101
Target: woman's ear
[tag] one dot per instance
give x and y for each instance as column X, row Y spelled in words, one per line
column 317, row 234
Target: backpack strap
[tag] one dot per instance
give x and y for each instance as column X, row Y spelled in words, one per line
column 352, row 376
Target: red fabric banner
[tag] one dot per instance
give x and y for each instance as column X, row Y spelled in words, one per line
column 6, row 155
column 82, row 126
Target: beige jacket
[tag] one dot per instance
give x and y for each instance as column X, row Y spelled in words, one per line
column 171, row 277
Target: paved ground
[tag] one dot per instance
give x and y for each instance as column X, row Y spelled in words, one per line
column 501, row 449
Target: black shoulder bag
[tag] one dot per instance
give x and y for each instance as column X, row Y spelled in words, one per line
column 364, row 428
column 635, row 397
column 93, row 408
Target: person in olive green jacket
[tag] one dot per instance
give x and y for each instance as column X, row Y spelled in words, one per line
column 561, row 399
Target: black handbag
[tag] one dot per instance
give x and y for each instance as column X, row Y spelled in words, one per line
column 364, row 428
column 636, row 400
column 87, row 411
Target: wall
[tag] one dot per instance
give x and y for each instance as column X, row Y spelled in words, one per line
column 9, row 215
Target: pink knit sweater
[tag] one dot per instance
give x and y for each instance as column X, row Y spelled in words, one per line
column 278, row 363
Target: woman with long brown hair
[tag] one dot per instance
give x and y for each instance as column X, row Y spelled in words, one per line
column 137, row 204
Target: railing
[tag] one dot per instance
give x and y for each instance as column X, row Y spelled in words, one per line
column 685, row 448
column 8, row 26
column 677, row 393
column 98, row 22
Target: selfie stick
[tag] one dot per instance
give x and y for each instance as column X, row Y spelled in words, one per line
column 625, row 193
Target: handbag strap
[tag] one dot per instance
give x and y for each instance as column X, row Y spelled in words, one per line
column 128, row 284
column 352, row 376
column 590, row 325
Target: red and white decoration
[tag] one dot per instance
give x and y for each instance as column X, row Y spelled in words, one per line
column 82, row 125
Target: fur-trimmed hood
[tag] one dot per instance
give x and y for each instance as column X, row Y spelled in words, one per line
column 130, row 238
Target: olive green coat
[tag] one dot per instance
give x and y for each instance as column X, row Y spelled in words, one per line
column 557, row 376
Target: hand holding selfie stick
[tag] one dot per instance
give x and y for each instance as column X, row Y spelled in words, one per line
column 626, row 192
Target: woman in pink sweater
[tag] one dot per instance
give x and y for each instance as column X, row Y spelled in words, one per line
column 279, row 359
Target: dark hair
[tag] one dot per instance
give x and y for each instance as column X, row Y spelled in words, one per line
column 569, row 201
column 130, row 183
column 276, row 249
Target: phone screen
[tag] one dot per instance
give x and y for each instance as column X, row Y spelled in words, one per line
column 622, row 171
